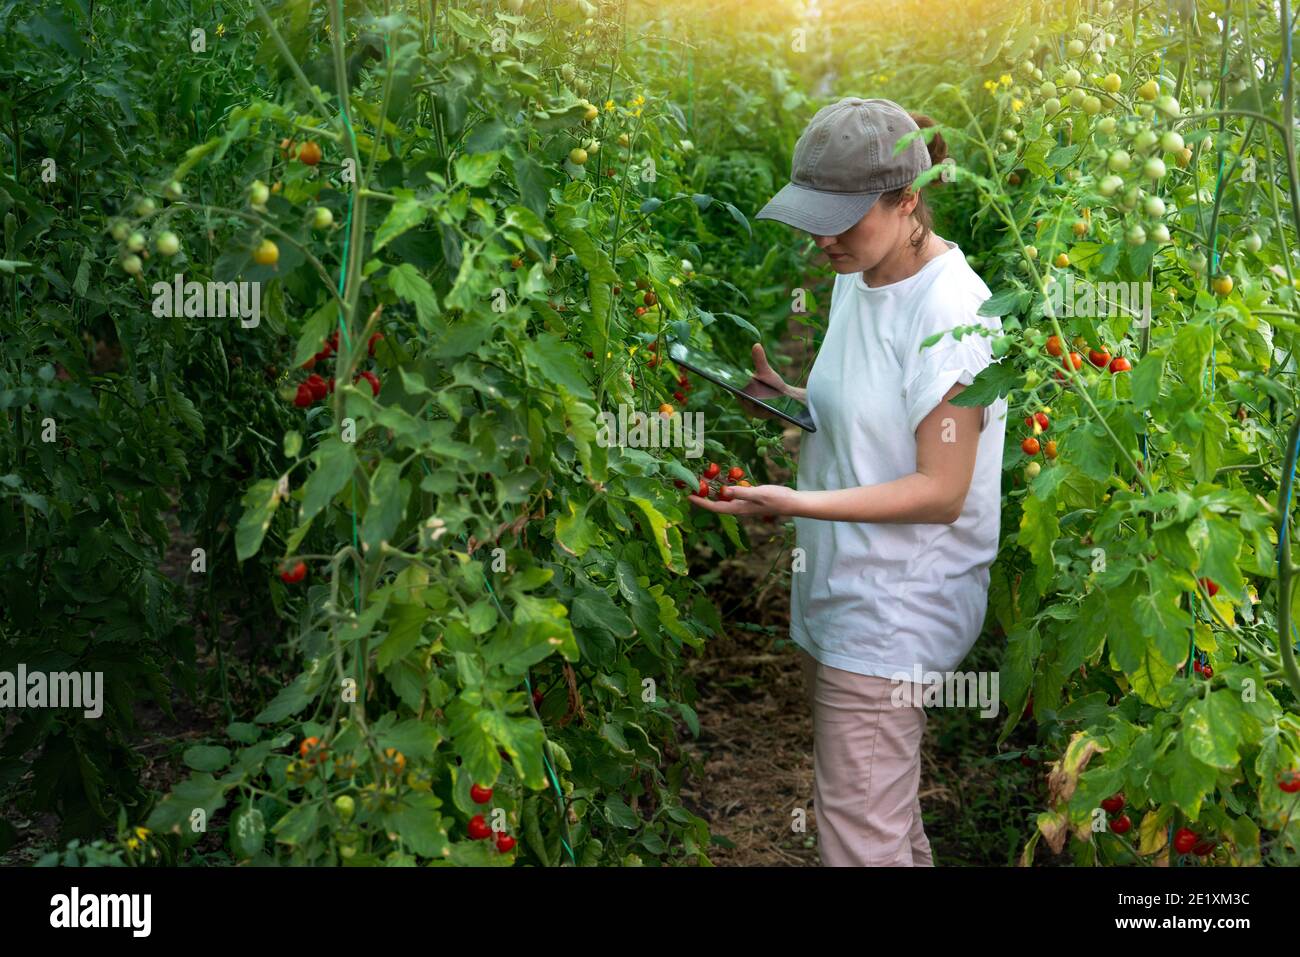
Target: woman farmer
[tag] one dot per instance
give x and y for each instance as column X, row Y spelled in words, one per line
column 897, row 506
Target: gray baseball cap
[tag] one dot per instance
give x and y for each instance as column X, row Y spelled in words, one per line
column 843, row 162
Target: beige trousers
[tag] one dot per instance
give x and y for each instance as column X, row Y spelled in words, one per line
column 866, row 770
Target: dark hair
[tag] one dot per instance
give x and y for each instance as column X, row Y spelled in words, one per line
column 938, row 153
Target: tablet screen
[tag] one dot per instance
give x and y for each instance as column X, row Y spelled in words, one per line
column 730, row 377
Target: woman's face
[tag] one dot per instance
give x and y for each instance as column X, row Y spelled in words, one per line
column 878, row 234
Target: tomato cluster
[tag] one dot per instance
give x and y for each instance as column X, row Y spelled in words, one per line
column 315, row 388
column 712, row 485
column 1188, row 841
column 1097, row 357
column 1032, row 445
column 479, row 828
column 1113, row 805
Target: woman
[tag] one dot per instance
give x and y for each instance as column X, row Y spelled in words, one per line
column 897, row 507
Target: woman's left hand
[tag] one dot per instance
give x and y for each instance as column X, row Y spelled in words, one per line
column 753, row 500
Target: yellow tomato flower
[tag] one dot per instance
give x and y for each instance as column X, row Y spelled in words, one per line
column 132, row 843
column 609, row 105
column 221, row 29
column 1005, row 79
column 637, row 111
column 1016, row 105
column 142, row 833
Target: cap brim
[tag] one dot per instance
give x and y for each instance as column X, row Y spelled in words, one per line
column 817, row 212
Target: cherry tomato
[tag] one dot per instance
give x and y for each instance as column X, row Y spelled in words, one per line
column 1185, row 839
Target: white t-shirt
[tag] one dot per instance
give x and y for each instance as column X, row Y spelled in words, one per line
column 880, row 599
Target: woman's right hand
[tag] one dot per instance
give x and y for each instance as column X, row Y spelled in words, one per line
column 765, row 383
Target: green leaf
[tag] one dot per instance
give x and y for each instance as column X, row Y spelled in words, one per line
column 260, row 503
column 1003, row 302
column 407, row 283
column 1190, row 780
column 403, row 215
column 991, row 383
column 416, row 739
column 419, row 825
column 473, row 743
column 667, row 538
column 315, row 331
column 476, row 169
column 594, row 609
column 739, row 217
column 202, row 757
column 1146, row 379
column 523, row 739
column 1147, row 631
column 298, row 826
column 386, row 504
column 1039, row 530
column 1218, row 542
column 1212, row 729
column 335, row 462
column 573, row 531
column 247, row 832
column 291, row 699
column 173, row 815
column 527, row 222
column 406, row 623
column 556, row 363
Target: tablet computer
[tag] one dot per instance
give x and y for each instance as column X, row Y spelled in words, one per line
column 733, row 380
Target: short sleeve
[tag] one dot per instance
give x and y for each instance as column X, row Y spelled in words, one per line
column 931, row 371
